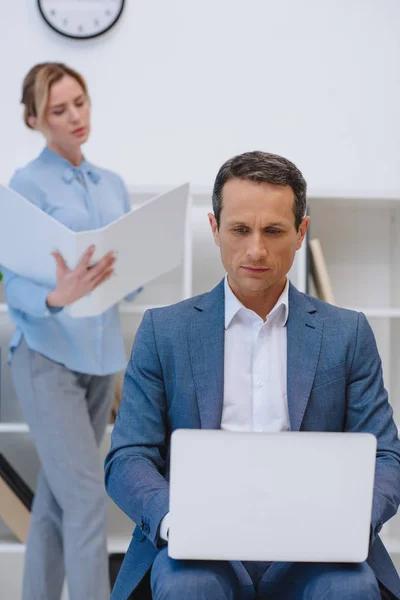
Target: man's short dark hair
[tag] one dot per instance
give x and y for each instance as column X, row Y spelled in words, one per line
column 262, row 167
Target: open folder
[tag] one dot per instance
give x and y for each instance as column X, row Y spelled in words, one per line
column 148, row 242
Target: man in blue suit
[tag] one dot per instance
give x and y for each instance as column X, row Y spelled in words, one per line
column 254, row 354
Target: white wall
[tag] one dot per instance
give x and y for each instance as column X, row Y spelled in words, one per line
column 181, row 85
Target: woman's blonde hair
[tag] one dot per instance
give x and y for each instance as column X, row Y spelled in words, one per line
column 36, row 88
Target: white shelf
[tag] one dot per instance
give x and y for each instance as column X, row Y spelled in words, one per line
column 378, row 313
column 23, row 428
column 125, row 308
column 118, row 544
column 10, row 545
column 139, row 309
column 14, row 428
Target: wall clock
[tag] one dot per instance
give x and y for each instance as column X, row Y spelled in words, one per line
column 81, row 19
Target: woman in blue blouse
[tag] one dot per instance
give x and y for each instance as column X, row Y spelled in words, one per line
column 64, row 367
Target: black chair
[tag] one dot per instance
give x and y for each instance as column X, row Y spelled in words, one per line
column 142, row 592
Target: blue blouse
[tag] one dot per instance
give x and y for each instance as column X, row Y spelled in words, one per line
column 82, row 198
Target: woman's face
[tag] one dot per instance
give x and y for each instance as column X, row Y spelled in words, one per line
column 67, row 118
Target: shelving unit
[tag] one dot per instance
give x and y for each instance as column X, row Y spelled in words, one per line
column 360, row 239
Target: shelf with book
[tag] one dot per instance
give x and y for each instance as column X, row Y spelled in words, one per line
column 360, row 240
column 361, row 251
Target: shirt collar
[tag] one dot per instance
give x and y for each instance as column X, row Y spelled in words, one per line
column 232, row 305
column 68, row 171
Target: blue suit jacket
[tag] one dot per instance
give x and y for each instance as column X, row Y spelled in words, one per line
column 175, row 379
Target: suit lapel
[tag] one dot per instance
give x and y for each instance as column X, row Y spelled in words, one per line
column 304, row 337
column 206, row 348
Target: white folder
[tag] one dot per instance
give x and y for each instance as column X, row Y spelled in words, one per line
column 148, row 241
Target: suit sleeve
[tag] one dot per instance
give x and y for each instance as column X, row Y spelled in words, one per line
column 135, row 464
column 368, row 410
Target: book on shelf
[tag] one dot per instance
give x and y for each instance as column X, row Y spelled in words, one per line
column 16, row 499
column 320, row 279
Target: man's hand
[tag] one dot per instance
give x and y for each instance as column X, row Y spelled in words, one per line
column 73, row 284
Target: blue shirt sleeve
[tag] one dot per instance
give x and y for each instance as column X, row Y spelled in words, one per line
column 21, row 293
column 27, row 188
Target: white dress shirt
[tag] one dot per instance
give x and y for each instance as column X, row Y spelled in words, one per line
column 255, row 368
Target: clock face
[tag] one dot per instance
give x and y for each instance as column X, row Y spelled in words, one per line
column 81, row 19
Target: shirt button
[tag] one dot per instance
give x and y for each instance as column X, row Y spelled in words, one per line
column 260, row 383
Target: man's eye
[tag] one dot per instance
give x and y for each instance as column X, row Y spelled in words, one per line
column 273, row 231
column 240, row 230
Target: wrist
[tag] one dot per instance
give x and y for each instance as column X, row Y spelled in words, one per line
column 52, row 300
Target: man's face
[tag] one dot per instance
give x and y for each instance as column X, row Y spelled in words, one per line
column 257, row 235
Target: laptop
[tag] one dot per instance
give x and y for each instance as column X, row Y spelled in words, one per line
column 292, row 496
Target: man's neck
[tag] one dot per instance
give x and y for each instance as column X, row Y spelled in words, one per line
column 263, row 302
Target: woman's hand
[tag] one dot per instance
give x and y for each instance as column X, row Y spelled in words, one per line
column 73, row 284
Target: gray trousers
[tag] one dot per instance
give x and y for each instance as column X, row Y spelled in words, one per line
column 67, row 413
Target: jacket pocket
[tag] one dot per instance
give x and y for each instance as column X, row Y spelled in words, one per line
column 329, row 375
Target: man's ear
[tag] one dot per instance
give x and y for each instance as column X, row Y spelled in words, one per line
column 214, row 227
column 302, row 232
